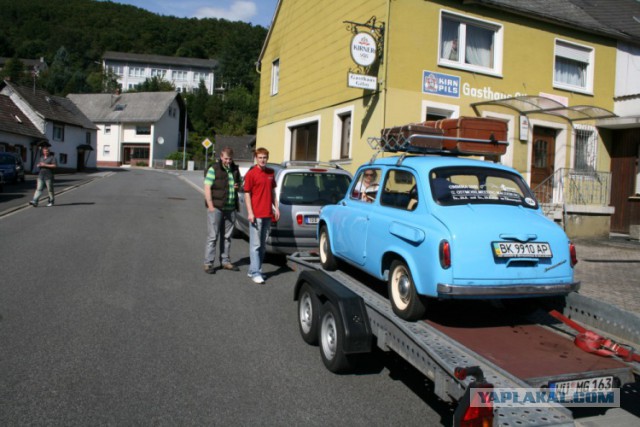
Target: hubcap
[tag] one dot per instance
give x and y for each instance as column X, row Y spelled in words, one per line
column 329, row 336
column 403, row 288
column 305, row 313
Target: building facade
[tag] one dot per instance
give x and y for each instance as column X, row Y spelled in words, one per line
column 185, row 73
column 136, row 129
column 349, row 72
column 69, row 133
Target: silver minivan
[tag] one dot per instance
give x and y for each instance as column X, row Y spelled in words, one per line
column 302, row 189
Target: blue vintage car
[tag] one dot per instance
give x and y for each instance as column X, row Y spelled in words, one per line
column 446, row 227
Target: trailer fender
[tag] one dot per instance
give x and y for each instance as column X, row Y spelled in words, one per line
column 357, row 330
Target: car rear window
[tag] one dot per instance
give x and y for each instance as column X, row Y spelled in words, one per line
column 313, row 188
column 465, row 185
column 7, row 160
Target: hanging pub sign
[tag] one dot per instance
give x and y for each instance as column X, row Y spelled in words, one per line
column 362, row 81
column 363, row 49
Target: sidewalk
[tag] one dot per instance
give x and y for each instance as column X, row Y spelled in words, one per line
column 609, row 270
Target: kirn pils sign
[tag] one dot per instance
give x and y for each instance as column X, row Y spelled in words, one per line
column 363, row 49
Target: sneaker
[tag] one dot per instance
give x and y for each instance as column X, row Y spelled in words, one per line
column 209, row 269
column 34, row 204
column 229, row 266
column 257, row 279
column 49, row 204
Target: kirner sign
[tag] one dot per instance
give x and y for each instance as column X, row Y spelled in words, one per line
column 363, row 49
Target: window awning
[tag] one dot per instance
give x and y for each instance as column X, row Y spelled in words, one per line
column 84, row 147
column 542, row 105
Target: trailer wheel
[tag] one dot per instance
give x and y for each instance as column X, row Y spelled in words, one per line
column 332, row 340
column 308, row 314
column 327, row 259
column 405, row 301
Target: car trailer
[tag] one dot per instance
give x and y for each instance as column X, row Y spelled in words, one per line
column 346, row 317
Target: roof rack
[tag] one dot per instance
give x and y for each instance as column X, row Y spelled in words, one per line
column 290, row 163
column 422, row 138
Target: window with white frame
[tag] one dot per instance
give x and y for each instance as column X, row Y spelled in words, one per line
column 107, row 129
column 143, row 130
column 180, row 75
column 106, row 149
column 275, row 76
column 199, row 76
column 573, row 67
column 62, row 158
column 58, row 132
column 158, row 72
column 586, row 144
column 304, row 141
column 117, row 70
column 87, row 138
column 345, row 135
column 438, row 110
column 136, row 72
column 470, row 44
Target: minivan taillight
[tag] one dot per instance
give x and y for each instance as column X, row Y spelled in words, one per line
column 445, row 254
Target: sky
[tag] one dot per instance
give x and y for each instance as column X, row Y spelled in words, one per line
column 256, row 12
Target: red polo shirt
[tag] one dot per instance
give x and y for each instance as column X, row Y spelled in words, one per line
column 260, row 184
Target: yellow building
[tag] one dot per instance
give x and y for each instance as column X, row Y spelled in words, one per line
column 335, row 73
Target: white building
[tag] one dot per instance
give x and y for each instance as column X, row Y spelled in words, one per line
column 138, row 128
column 185, row 73
column 71, row 135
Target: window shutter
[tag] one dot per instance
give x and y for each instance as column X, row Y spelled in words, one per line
column 573, row 52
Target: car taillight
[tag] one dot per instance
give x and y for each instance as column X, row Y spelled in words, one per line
column 299, row 219
column 573, row 254
column 445, row 254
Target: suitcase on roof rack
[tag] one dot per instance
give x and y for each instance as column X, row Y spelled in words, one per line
column 414, row 135
column 474, row 128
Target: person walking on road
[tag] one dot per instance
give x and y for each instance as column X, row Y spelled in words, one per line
column 260, row 199
column 46, row 165
column 221, row 198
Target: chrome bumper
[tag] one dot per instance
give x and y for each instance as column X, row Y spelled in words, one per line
column 447, row 290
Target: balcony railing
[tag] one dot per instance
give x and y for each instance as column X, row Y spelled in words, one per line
column 574, row 187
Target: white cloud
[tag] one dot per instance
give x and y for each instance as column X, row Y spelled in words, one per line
column 237, row 11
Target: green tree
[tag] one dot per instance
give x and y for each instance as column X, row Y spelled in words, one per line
column 14, row 70
column 154, row 84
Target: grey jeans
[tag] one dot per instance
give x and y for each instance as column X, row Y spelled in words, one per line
column 41, row 183
column 220, row 226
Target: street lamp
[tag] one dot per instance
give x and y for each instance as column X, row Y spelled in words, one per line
column 184, row 147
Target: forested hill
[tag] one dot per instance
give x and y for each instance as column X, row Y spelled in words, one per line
column 78, row 32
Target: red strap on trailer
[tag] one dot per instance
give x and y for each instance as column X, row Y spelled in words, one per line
column 591, row 342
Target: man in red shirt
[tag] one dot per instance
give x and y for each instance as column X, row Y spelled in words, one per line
column 260, row 199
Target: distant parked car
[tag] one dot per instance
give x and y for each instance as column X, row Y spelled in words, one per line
column 441, row 227
column 12, row 167
column 302, row 189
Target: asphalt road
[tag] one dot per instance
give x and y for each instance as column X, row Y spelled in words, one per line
column 107, row 318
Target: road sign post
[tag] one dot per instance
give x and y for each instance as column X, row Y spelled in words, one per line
column 206, row 144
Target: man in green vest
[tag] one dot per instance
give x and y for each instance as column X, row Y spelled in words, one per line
column 221, row 198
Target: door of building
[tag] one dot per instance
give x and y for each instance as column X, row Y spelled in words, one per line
column 624, row 169
column 542, row 162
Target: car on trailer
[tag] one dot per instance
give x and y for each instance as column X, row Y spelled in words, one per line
column 438, row 225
